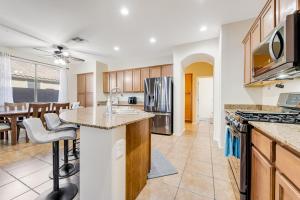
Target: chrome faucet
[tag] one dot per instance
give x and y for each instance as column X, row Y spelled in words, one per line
column 114, row 92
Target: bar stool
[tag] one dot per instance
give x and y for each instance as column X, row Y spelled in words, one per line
column 54, row 124
column 57, row 108
column 39, row 135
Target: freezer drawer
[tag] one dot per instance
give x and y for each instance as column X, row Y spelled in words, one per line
column 162, row 124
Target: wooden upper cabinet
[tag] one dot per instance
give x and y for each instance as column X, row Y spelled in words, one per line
column 120, row 80
column 268, row 19
column 81, row 83
column 128, row 81
column 247, row 60
column 155, row 72
column 286, row 7
column 112, row 80
column 106, row 82
column 145, row 73
column 255, row 34
column 284, row 190
column 262, row 177
column 167, row 70
column 136, row 85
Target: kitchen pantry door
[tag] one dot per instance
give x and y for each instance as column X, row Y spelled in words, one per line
column 205, row 98
column 188, row 97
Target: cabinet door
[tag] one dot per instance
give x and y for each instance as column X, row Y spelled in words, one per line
column 286, row 7
column 284, row 190
column 136, row 80
column 106, row 82
column 167, row 70
column 155, row 72
column 247, row 60
column 262, row 177
column 255, row 36
column 112, row 80
column 89, row 82
column 81, row 99
column 189, row 97
column 81, row 83
column 120, row 80
column 268, row 19
column 145, row 73
column 128, row 81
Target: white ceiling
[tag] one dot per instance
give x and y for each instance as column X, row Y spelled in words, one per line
column 172, row 22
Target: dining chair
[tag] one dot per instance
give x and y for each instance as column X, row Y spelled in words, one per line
column 57, row 107
column 35, row 110
column 4, row 128
column 14, row 106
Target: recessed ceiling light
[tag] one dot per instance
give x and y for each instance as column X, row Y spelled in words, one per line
column 152, row 40
column 203, row 28
column 124, row 11
column 116, row 48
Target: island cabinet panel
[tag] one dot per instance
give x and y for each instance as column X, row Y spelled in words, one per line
column 106, row 82
column 167, row 70
column 136, row 85
column 262, row 177
column 155, row 72
column 138, row 157
column 247, row 60
column 128, row 81
column 120, row 80
column 112, row 80
column 284, row 190
column 268, row 19
column 286, row 7
column 288, row 164
column 145, row 73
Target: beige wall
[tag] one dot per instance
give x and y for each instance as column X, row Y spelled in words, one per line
column 198, row 69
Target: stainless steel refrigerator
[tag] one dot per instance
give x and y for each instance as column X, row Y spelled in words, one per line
column 158, row 99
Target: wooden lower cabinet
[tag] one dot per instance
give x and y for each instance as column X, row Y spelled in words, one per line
column 85, row 89
column 262, row 177
column 284, row 190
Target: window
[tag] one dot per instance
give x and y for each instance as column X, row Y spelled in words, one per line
column 33, row 82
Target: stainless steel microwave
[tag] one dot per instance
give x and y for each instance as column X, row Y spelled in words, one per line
column 278, row 56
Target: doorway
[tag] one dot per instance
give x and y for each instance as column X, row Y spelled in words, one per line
column 188, row 97
column 205, row 98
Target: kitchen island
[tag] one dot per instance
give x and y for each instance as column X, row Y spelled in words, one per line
column 115, row 151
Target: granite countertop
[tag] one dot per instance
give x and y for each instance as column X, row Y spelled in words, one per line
column 285, row 134
column 96, row 117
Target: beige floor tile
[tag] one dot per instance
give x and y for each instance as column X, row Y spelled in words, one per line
column 221, row 172
column 187, row 195
column 30, row 195
column 195, row 167
column 12, row 190
column 223, row 190
column 37, row 178
column 158, row 191
column 202, row 185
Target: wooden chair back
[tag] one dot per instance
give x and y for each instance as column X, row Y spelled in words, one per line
column 38, row 110
column 15, row 106
column 57, row 107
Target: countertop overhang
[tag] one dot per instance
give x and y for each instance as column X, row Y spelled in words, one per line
column 96, row 117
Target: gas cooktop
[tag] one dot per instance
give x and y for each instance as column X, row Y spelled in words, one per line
column 289, row 118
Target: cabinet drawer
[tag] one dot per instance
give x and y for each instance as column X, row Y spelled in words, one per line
column 263, row 144
column 288, row 164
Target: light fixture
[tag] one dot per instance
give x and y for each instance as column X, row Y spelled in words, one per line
column 60, row 61
column 282, row 76
column 124, row 11
column 65, row 53
column 16, row 71
column 116, row 48
column 152, row 40
column 203, row 28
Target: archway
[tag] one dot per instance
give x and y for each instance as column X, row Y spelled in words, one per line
column 198, row 99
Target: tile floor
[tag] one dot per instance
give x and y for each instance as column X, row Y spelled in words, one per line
column 202, row 168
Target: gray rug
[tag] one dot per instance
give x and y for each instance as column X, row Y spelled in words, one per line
column 160, row 166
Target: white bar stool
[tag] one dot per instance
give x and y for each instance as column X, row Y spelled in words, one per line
column 39, row 135
column 54, row 124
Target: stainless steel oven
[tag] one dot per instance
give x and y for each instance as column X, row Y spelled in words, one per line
column 278, row 56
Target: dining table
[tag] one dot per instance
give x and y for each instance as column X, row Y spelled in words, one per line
column 13, row 116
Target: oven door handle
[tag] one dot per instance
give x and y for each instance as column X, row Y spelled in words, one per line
column 271, row 49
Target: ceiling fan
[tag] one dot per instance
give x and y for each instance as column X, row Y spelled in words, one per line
column 60, row 54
